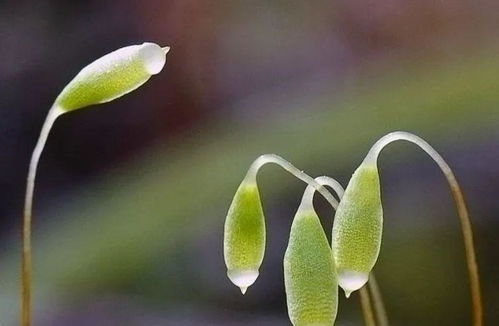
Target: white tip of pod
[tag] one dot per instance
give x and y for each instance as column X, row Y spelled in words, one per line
column 153, row 57
column 243, row 279
column 351, row 281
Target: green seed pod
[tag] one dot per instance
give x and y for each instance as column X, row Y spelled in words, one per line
column 244, row 236
column 309, row 273
column 112, row 76
column 105, row 79
column 357, row 228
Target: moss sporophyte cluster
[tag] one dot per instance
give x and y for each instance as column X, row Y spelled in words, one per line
column 313, row 268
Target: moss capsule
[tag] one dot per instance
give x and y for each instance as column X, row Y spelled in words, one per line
column 112, row 76
column 309, row 273
column 244, row 236
column 105, row 79
column 357, row 228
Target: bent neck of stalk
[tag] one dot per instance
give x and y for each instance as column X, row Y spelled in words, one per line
column 372, row 156
column 307, row 201
column 275, row 159
column 463, row 215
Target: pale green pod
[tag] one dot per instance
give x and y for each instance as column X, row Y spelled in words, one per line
column 112, row 76
column 244, row 236
column 309, row 273
column 357, row 228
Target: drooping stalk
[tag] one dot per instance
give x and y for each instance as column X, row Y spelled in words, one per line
column 244, row 228
column 26, row 264
column 367, row 309
column 307, row 201
column 466, row 229
column 273, row 158
column 377, row 299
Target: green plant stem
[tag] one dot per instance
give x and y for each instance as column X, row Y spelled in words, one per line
column 307, row 201
column 367, row 309
column 273, row 158
column 26, row 261
column 462, row 212
column 379, row 306
column 476, row 296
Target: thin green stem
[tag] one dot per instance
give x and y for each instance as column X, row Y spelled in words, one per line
column 462, row 212
column 307, row 200
column 367, row 309
column 379, row 306
column 26, row 261
column 272, row 158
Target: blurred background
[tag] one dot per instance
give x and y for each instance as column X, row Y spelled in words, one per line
column 131, row 196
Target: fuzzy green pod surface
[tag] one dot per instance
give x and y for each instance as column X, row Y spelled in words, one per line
column 357, row 228
column 309, row 273
column 244, row 236
column 112, row 76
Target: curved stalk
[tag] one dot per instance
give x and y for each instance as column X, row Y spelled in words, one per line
column 272, row 158
column 466, row 229
column 26, row 262
column 307, row 201
column 246, row 213
column 105, row 79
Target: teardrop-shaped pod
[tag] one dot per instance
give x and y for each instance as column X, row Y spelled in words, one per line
column 244, row 236
column 112, row 76
column 105, row 79
column 357, row 228
column 309, row 273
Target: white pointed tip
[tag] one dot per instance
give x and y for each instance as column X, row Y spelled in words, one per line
column 243, row 279
column 166, row 49
column 153, row 57
column 351, row 281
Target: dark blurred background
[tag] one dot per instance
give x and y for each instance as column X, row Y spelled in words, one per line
column 131, row 196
